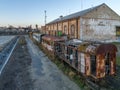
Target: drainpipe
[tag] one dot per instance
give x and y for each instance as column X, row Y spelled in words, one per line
column 81, row 29
column 45, row 20
column 77, row 28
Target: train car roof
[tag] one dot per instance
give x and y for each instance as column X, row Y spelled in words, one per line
column 91, row 47
column 97, row 48
column 52, row 38
column 73, row 42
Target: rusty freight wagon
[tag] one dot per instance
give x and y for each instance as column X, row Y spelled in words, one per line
column 48, row 42
column 89, row 58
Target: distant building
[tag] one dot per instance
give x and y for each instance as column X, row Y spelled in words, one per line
column 96, row 23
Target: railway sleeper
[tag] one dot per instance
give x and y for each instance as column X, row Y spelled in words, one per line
column 92, row 85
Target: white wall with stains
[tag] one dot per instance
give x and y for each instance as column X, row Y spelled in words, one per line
column 99, row 24
column 98, row 29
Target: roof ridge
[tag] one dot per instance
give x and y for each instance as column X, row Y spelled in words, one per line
column 76, row 14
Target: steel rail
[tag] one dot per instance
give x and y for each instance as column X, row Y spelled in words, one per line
column 8, row 57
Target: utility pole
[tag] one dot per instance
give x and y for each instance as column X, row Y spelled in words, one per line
column 81, row 5
column 45, row 16
column 81, row 23
column 45, row 20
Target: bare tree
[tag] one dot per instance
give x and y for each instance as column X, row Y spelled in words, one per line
column 36, row 27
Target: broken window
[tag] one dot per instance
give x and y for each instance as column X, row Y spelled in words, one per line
column 76, row 58
column 58, row 48
column 71, row 55
column 72, row 31
column 107, row 63
column 65, row 29
column 118, row 31
column 93, row 64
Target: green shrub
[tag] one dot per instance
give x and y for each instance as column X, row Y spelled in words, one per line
column 22, row 41
column 118, row 60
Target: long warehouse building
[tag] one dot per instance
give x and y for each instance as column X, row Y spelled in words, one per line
column 96, row 23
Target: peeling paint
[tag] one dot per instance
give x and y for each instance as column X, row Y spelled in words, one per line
column 99, row 29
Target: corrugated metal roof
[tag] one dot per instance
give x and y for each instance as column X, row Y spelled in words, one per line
column 77, row 14
column 97, row 48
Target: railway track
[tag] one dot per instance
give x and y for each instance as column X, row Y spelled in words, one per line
column 108, row 83
column 6, row 53
column 114, row 82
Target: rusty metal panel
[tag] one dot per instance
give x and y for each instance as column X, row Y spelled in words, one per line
column 52, row 38
column 100, row 68
column 105, row 48
column 112, row 71
column 113, row 63
column 96, row 48
column 87, row 63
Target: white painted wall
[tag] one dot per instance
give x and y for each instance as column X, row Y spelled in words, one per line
column 98, row 29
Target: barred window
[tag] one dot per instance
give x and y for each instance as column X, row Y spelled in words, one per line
column 65, row 29
column 72, row 30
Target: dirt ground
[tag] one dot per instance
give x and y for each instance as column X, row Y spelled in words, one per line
column 30, row 69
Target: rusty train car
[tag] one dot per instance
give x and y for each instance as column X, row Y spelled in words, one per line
column 93, row 59
column 90, row 58
column 48, row 42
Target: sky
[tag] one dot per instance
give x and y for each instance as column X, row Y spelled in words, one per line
column 31, row 12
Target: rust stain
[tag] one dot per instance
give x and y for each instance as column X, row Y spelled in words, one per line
column 100, row 71
column 105, row 48
column 87, row 59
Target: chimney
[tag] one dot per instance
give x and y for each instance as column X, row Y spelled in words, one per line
column 60, row 17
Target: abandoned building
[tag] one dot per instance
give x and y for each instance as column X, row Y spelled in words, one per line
column 96, row 23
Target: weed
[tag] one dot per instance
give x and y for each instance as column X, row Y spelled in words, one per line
column 118, row 60
column 22, row 41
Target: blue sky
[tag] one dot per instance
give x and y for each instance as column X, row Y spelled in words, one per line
column 31, row 12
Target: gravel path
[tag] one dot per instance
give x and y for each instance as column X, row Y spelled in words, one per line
column 45, row 74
